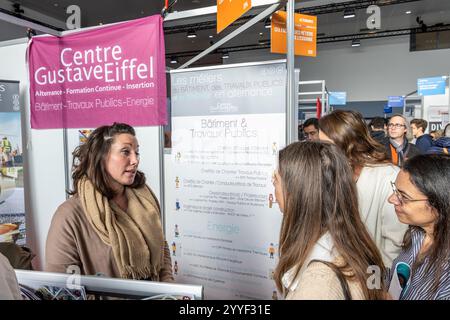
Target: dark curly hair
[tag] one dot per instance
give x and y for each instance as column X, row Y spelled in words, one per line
column 431, row 175
column 89, row 159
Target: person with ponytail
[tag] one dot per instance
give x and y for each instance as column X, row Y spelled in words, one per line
column 372, row 173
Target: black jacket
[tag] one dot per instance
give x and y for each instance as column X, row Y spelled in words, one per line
column 379, row 136
column 409, row 151
column 424, row 142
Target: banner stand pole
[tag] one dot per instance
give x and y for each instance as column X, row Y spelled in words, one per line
column 66, row 163
column 291, row 85
column 448, row 77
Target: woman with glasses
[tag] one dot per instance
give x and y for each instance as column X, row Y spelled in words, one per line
column 421, row 199
column 325, row 251
column 372, row 173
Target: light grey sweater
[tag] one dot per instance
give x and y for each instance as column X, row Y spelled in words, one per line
column 374, row 189
column 9, row 288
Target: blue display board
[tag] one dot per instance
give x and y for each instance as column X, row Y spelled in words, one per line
column 338, row 98
column 395, row 101
column 431, row 86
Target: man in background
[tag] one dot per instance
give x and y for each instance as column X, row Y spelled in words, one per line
column 311, row 129
column 398, row 147
column 378, row 130
column 423, row 140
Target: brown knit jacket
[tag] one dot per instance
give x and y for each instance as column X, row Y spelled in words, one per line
column 72, row 241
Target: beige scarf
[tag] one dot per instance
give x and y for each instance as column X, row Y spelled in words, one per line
column 135, row 236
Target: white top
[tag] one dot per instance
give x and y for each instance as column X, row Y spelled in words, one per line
column 377, row 213
column 322, row 250
column 9, row 288
column 317, row 281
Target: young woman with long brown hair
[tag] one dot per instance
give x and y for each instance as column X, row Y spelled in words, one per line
column 372, row 173
column 325, row 250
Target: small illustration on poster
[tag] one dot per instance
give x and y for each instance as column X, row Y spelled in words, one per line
column 270, row 200
column 274, row 295
column 174, row 248
column 271, row 251
column 83, row 135
column 274, row 148
column 175, row 267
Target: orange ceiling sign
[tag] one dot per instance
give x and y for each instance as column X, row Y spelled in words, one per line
column 230, row 10
column 305, row 34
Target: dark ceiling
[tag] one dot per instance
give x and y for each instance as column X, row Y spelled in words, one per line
column 108, row 11
column 397, row 17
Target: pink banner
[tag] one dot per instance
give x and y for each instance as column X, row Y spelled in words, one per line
column 100, row 76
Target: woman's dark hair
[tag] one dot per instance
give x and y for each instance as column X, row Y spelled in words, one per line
column 431, row 175
column 447, row 130
column 320, row 196
column 349, row 132
column 89, row 159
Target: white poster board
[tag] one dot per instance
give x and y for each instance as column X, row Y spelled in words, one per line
column 438, row 117
column 222, row 222
column 12, row 199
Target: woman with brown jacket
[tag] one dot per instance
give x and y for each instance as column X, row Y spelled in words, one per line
column 111, row 225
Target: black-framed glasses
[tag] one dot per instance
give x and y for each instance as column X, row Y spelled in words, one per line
column 400, row 198
column 396, row 125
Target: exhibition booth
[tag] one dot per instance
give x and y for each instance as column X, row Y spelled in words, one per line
column 215, row 183
column 224, row 123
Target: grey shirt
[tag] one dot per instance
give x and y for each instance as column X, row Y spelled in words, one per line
column 9, row 288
